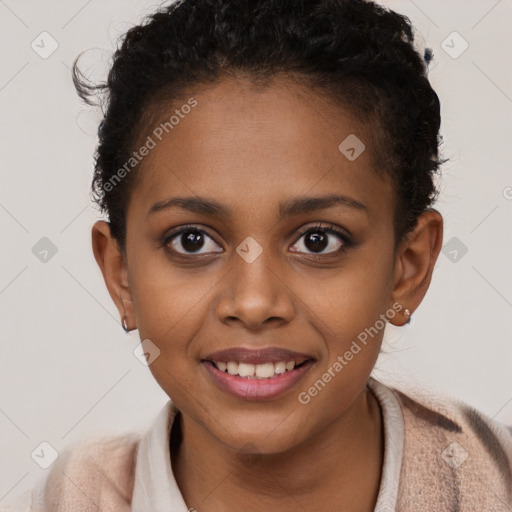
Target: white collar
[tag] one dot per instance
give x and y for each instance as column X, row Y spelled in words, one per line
column 394, row 436
column 156, row 489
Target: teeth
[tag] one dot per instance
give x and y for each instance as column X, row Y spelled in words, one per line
column 232, row 368
column 246, row 370
column 258, row 371
column 264, row 370
column 281, row 367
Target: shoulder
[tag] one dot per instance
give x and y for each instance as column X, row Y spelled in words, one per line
column 88, row 473
column 454, row 455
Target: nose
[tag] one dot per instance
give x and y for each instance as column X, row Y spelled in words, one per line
column 255, row 294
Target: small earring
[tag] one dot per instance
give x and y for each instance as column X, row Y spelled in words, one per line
column 124, row 323
column 407, row 313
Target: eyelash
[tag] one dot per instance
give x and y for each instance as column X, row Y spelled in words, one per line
column 326, row 228
column 330, row 229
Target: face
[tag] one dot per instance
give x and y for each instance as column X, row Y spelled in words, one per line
column 268, row 251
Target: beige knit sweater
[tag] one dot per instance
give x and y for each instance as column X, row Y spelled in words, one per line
column 454, row 460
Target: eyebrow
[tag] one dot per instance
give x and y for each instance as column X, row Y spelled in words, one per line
column 291, row 207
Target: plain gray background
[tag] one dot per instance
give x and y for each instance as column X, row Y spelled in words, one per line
column 68, row 369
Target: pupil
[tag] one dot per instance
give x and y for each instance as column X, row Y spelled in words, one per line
column 315, row 241
column 192, row 240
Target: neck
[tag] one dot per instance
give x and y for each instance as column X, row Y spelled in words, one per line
column 340, row 466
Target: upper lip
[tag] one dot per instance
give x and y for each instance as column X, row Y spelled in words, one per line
column 257, row 356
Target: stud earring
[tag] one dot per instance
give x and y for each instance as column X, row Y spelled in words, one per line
column 124, row 323
column 407, row 313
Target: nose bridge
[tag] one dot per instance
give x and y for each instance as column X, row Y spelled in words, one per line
column 256, row 291
column 253, row 270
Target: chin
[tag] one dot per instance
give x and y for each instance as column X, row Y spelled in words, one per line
column 273, row 435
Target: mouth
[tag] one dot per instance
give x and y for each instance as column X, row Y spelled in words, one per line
column 256, row 371
column 257, row 374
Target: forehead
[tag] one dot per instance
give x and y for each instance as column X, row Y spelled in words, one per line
column 247, row 145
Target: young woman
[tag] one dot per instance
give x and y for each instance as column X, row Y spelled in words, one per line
column 267, row 169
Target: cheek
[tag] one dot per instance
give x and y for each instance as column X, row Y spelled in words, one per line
column 351, row 301
column 170, row 307
column 166, row 297
column 347, row 316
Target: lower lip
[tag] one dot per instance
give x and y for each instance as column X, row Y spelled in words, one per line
column 257, row 389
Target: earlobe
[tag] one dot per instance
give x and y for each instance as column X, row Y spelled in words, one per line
column 111, row 261
column 414, row 263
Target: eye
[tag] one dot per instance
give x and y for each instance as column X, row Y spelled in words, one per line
column 191, row 240
column 322, row 240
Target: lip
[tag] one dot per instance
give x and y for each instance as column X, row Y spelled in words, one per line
column 252, row 388
column 257, row 356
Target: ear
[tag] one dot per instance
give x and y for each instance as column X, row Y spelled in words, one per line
column 414, row 263
column 112, row 263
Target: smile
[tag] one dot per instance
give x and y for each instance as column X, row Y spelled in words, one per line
column 255, row 371
column 256, row 374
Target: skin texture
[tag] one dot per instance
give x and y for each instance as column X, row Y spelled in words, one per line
column 251, row 148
